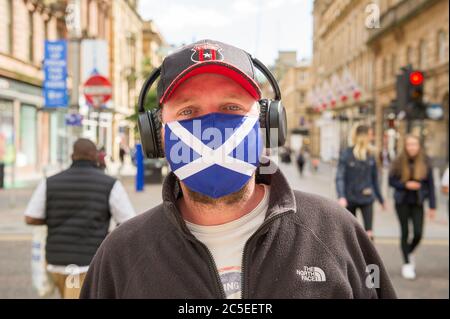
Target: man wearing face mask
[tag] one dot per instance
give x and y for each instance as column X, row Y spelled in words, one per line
column 225, row 228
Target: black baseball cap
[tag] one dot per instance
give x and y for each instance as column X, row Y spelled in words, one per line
column 207, row 56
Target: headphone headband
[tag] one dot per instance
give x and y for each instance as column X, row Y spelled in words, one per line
column 146, row 87
column 157, row 72
column 269, row 76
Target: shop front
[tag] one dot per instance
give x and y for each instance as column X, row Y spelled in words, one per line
column 32, row 140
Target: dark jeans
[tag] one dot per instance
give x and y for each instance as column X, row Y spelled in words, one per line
column 405, row 213
column 2, row 174
column 366, row 211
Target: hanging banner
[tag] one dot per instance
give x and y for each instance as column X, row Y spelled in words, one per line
column 55, row 74
column 351, row 86
column 330, row 98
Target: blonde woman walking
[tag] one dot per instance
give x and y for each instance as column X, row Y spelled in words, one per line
column 357, row 178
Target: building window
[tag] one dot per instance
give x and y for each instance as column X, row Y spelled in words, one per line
column 46, row 35
column 409, row 55
column 303, row 76
column 6, row 21
column 131, row 43
column 369, row 73
column 422, row 54
column 442, row 50
column 301, row 97
column 384, row 68
column 30, row 36
column 393, row 65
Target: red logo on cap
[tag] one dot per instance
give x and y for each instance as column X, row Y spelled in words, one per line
column 206, row 52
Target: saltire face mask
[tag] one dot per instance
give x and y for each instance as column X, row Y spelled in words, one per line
column 215, row 154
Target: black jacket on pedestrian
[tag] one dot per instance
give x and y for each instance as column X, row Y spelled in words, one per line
column 77, row 213
column 427, row 190
column 356, row 180
column 154, row 255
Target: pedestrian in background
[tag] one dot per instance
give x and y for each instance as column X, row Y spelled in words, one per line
column 444, row 185
column 301, row 161
column 77, row 205
column 315, row 164
column 2, row 155
column 411, row 176
column 285, row 154
column 357, row 178
column 101, row 158
column 122, row 153
column 445, row 182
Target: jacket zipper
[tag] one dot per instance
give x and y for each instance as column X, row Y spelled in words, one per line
column 213, row 267
column 212, row 264
column 244, row 255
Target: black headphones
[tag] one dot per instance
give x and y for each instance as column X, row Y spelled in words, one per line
column 272, row 116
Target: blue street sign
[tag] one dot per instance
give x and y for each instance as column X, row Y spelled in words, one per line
column 73, row 119
column 55, row 74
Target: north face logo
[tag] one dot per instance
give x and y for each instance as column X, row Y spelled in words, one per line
column 312, row 274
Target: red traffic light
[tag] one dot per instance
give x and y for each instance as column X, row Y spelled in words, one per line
column 416, row 78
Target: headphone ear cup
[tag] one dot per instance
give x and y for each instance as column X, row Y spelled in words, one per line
column 145, row 132
column 272, row 117
column 150, row 131
column 157, row 127
column 278, row 120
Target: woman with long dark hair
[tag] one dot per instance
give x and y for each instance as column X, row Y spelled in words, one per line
column 357, row 177
column 411, row 176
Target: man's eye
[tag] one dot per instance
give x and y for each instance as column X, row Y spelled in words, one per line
column 185, row 112
column 233, row 108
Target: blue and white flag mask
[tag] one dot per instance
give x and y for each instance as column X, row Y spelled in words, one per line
column 215, row 154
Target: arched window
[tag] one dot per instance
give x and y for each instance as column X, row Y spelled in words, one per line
column 6, row 6
column 410, row 55
column 442, row 46
column 384, row 70
column 422, row 54
column 393, row 64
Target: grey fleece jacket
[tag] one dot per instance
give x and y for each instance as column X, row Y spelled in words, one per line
column 308, row 247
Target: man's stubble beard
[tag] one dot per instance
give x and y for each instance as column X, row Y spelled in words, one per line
column 241, row 195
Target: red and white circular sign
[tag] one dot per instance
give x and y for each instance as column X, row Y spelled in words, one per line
column 97, row 90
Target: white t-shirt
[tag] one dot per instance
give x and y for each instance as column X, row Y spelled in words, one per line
column 226, row 243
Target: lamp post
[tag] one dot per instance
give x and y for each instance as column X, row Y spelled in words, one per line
column 73, row 25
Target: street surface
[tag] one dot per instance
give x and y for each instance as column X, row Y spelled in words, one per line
column 431, row 258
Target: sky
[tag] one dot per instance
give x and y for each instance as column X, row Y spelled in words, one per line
column 261, row 27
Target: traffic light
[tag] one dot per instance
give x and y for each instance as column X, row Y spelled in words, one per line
column 410, row 93
column 416, row 86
